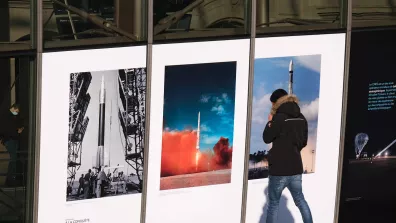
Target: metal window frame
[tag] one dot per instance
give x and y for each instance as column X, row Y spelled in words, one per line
column 347, row 10
column 37, row 41
column 253, row 13
column 149, row 54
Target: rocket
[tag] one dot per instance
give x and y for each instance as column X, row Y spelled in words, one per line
column 291, row 77
column 198, row 129
column 101, row 134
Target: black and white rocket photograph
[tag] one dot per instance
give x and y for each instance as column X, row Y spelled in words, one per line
column 106, row 133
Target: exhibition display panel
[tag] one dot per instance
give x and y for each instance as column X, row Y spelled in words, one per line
column 92, row 134
column 310, row 69
column 368, row 180
column 199, row 95
column 93, row 122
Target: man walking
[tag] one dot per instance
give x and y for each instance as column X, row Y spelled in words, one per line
column 287, row 130
column 10, row 128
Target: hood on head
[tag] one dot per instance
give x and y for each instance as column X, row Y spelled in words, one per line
column 287, row 104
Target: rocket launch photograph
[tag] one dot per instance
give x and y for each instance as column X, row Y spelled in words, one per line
column 198, row 125
column 299, row 76
column 106, row 133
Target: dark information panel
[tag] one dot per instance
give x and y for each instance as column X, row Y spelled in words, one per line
column 368, row 191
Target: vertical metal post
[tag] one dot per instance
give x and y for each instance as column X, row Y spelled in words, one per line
column 149, row 57
column 35, row 102
column 344, row 107
column 249, row 110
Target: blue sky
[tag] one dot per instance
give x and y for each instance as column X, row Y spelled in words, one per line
column 273, row 73
column 206, row 88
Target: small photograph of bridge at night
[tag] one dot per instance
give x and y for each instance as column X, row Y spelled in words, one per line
column 198, row 129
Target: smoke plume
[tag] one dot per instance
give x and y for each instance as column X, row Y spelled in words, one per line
column 180, row 156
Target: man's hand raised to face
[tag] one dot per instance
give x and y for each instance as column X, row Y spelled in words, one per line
column 269, row 119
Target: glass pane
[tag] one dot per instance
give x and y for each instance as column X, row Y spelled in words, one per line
column 368, row 13
column 16, row 154
column 93, row 22
column 15, row 24
column 180, row 19
column 297, row 15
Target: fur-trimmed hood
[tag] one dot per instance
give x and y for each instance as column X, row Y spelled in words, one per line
column 283, row 100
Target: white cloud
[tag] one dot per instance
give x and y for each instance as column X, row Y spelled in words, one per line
column 225, row 98
column 204, row 99
column 281, row 63
column 308, row 157
column 311, row 110
column 210, row 139
column 283, row 85
column 311, row 62
column 227, row 120
column 217, row 99
column 261, row 108
column 260, row 90
column 218, row 109
column 205, row 128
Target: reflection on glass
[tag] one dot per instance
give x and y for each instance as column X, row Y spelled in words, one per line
column 15, row 151
column 100, row 21
column 289, row 15
column 15, row 25
column 367, row 13
column 177, row 19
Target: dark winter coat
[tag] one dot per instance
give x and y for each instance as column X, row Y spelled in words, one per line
column 9, row 125
column 288, row 133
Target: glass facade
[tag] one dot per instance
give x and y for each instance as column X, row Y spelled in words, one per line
column 16, row 25
column 30, row 27
column 17, row 150
column 197, row 19
column 301, row 15
column 84, row 22
column 367, row 13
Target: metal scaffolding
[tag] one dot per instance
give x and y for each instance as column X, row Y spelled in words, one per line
column 78, row 103
column 132, row 116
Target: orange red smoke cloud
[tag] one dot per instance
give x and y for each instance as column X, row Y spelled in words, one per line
column 179, row 154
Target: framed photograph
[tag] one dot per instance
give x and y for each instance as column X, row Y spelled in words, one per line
column 310, row 70
column 197, row 131
column 92, row 135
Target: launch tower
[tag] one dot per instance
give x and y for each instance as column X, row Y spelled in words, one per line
column 132, row 116
column 78, row 103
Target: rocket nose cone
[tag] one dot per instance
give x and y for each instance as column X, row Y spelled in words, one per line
column 291, row 65
column 102, row 84
column 102, row 91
